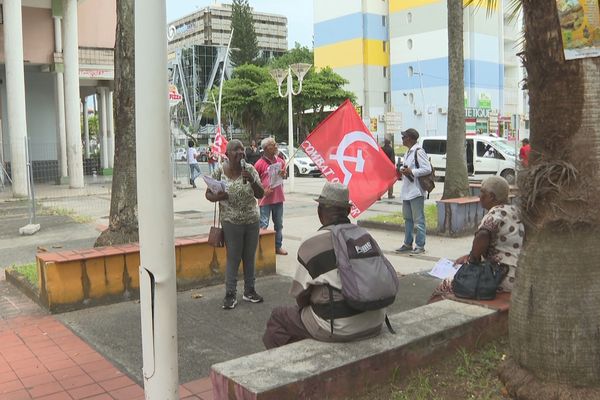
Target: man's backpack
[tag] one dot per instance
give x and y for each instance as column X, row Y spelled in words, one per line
column 427, row 182
column 369, row 281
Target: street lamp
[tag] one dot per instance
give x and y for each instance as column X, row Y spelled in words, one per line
column 299, row 69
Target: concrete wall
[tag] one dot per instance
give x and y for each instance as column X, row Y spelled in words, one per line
column 38, row 36
column 40, row 92
column 70, row 280
column 97, row 23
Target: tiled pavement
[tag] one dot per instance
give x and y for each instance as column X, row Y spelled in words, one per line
column 40, row 358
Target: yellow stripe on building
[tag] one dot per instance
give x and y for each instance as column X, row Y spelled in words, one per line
column 375, row 54
column 399, row 5
column 352, row 52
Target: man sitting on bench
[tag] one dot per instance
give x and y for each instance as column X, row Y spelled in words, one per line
column 315, row 316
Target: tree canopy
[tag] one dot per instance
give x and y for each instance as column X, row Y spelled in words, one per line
column 252, row 99
column 244, row 43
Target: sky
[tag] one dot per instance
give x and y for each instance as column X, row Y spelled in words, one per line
column 298, row 12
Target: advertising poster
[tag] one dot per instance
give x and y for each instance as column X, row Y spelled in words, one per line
column 580, row 28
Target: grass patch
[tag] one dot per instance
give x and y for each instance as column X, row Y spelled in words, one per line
column 398, row 219
column 465, row 375
column 66, row 212
column 29, row 271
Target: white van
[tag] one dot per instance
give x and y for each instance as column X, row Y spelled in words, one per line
column 492, row 156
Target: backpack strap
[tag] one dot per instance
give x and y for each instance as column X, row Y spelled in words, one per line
column 331, row 308
column 417, row 165
column 389, row 325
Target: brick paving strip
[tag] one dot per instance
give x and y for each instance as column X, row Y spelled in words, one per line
column 42, row 359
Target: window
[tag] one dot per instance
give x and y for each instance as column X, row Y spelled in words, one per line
column 409, row 43
column 411, row 71
column 434, row 146
column 385, row 97
column 409, row 17
column 383, row 20
column 385, row 72
column 383, row 46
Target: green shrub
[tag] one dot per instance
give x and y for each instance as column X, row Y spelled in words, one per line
column 29, row 271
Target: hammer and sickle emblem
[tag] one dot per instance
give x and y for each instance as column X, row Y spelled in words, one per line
column 359, row 161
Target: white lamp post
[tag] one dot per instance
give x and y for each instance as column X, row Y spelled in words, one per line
column 279, row 75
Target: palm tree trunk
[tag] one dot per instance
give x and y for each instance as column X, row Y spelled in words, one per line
column 456, row 183
column 123, row 223
column 554, row 320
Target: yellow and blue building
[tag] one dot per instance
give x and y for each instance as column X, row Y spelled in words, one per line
column 395, row 55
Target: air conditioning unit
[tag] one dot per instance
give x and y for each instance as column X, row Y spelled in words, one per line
column 443, row 110
column 417, row 112
column 381, row 118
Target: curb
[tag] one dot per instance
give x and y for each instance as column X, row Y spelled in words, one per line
column 400, row 228
column 21, row 283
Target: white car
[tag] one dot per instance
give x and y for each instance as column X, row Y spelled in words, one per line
column 486, row 156
column 303, row 165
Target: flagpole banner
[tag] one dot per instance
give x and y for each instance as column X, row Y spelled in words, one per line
column 580, row 28
column 345, row 151
column 220, row 143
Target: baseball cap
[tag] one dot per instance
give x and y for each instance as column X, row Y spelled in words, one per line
column 410, row 132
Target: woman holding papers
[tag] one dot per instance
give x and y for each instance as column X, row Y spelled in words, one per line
column 499, row 238
column 239, row 218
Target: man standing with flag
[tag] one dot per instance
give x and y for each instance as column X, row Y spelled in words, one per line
column 416, row 164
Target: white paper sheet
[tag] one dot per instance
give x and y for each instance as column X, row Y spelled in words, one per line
column 214, row 185
column 444, row 268
column 275, row 178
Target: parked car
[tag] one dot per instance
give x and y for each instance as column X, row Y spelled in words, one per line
column 486, row 156
column 180, row 154
column 303, row 165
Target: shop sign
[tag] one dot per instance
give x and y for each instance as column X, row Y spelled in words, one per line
column 106, row 74
column 472, row 112
column 174, row 96
column 484, row 101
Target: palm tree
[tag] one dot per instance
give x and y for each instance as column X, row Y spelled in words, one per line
column 554, row 320
column 123, row 223
column 456, row 181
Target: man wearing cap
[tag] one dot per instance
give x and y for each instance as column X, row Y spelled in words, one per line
column 315, row 274
column 416, row 164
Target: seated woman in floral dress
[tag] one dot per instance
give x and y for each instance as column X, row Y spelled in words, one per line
column 498, row 239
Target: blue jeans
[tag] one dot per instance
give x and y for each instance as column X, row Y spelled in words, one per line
column 241, row 242
column 277, row 211
column 414, row 217
column 194, row 171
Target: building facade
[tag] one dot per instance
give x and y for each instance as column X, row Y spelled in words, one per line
column 211, row 26
column 54, row 54
column 395, row 55
column 197, row 49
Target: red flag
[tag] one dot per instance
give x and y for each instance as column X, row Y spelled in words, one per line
column 220, row 143
column 346, row 152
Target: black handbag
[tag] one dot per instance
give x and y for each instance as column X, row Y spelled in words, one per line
column 478, row 281
column 216, row 236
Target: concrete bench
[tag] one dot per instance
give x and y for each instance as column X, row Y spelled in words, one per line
column 70, row 280
column 317, row 370
column 462, row 215
column 459, row 216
